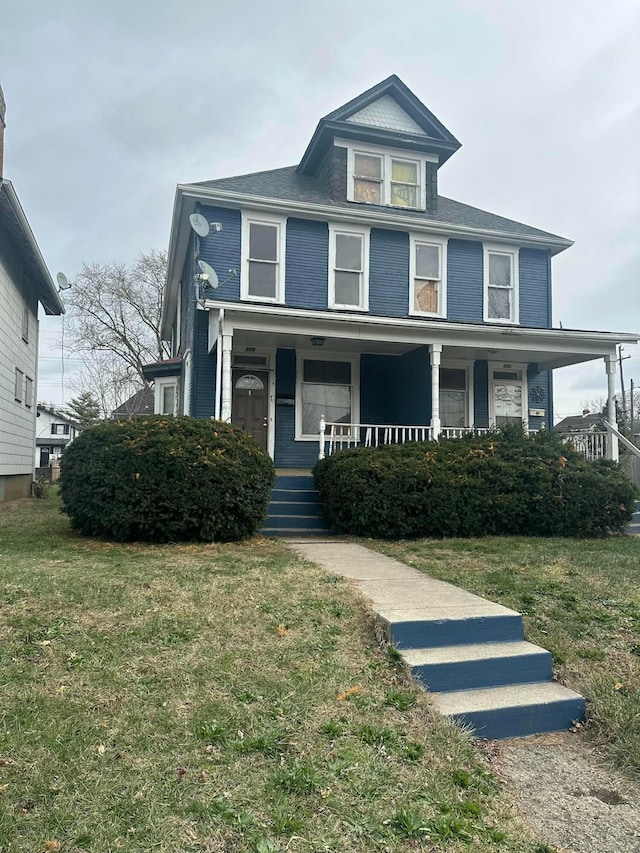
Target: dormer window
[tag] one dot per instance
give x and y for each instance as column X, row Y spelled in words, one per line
column 386, row 176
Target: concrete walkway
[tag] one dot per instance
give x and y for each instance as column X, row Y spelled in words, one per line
column 470, row 652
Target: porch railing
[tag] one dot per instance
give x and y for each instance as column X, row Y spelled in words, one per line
column 592, row 445
column 341, row 436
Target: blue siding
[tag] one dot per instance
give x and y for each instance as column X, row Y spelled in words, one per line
column 307, row 257
column 534, row 288
column 289, row 453
column 221, row 249
column 376, row 379
column 204, row 370
column 465, row 286
column 411, row 389
column 481, row 394
column 543, row 381
column 389, row 273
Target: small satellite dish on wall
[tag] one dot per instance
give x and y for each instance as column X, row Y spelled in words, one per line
column 63, row 283
column 199, row 225
column 207, row 274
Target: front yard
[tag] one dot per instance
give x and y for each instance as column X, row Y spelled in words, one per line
column 215, row 698
column 580, row 600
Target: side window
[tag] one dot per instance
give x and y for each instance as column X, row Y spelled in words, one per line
column 263, row 250
column 348, row 269
column 501, row 285
column 428, row 288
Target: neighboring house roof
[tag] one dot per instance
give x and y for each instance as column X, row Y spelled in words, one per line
column 141, row 403
column 167, row 367
column 289, row 185
column 14, row 222
column 58, row 415
column 579, row 423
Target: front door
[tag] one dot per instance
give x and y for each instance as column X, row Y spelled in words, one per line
column 508, row 402
column 250, row 404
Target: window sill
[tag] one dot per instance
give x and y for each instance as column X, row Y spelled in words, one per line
column 360, row 308
column 428, row 315
column 501, row 322
column 246, row 297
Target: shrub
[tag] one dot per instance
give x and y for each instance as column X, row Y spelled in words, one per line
column 502, row 483
column 164, row 479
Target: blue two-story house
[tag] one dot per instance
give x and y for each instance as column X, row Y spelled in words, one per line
column 344, row 300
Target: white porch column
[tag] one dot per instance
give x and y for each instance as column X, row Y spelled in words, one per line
column 435, row 353
column 612, row 440
column 225, row 412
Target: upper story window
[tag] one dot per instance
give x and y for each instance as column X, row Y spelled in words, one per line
column 25, row 323
column 263, row 252
column 385, row 176
column 18, row 385
column 349, row 268
column 28, row 392
column 501, row 285
column 59, row 429
column 427, row 276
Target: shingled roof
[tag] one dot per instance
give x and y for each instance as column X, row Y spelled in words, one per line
column 287, row 184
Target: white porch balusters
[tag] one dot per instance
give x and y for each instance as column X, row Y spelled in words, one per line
column 435, row 352
column 322, row 438
column 612, row 440
column 227, row 342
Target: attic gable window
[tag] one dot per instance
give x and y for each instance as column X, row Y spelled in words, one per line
column 385, row 176
column 263, row 250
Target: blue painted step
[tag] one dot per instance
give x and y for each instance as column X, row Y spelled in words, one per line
column 425, row 633
column 295, row 508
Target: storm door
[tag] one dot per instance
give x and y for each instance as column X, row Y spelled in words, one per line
column 250, row 404
column 507, row 392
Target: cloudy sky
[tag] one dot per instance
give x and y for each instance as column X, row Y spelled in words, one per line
column 111, row 103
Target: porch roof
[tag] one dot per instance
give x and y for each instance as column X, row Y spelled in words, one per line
column 275, row 326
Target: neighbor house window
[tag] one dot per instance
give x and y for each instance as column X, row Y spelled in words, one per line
column 427, row 271
column 165, row 396
column 25, row 323
column 19, row 380
column 454, row 406
column 501, row 285
column 325, row 388
column 59, row 429
column 263, row 250
column 386, row 176
column 28, row 391
column 348, row 269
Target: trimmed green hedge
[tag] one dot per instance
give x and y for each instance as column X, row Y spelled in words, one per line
column 164, row 479
column 502, row 483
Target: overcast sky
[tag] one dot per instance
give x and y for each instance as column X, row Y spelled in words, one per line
column 111, row 103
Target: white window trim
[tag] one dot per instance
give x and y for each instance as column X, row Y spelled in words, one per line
column 511, row 365
column 308, row 355
column 248, row 217
column 443, row 244
column 160, row 385
column 18, row 390
column 387, row 155
column 365, row 233
column 468, row 367
column 514, row 254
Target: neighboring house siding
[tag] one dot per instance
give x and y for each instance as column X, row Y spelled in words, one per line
column 307, row 264
column 464, row 281
column 534, row 288
column 203, row 397
column 17, row 421
column 221, row 249
column 389, row 273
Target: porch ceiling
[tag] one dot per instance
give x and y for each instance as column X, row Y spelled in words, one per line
column 291, row 328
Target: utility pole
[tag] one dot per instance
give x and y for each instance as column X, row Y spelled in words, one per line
column 624, row 399
column 633, row 430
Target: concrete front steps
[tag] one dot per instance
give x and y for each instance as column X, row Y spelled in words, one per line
column 634, row 527
column 469, row 653
column 294, row 509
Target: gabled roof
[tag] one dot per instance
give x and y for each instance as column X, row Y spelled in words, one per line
column 580, row 423
column 140, row 403
column 14, row 222
column 288, row 184
column 387, row 114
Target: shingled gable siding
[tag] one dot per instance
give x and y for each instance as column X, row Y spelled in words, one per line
column 534, row 288
column 306, row 272
column 288, row 452
column 203, row 395
column 332, row 173
column 464, row 281
column 389, row 273
column 432, row 188
column 221, row 249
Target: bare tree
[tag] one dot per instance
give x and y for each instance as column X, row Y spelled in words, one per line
column 114, row 323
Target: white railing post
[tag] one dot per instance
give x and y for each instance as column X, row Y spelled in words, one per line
column 322, row 429
column 612, row 440
column 225, row 405
column 435, row 351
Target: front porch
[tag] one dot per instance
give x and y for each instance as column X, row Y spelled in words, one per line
column 280, row 372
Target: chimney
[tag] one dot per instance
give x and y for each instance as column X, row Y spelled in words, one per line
column 585, row 412
column 3, row 110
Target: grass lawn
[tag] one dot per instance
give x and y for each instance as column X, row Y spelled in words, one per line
column 580, row 600
column 216, row 698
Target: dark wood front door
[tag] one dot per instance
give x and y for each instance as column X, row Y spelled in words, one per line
column 250, row 404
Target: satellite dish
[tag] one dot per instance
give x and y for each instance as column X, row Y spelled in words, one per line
column 63, row 283
column 199, row 225
column 208, row 274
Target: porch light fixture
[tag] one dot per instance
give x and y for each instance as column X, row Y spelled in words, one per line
column 317, row 342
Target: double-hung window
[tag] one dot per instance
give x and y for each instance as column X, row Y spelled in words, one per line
column 386, row 176
column 454, row 403
column 18, row 385
column 501, row 284
column 263, row 251
column 427, row 272
column 367, row 178
column 325, row 388
column 348, row 269
column 405, row 183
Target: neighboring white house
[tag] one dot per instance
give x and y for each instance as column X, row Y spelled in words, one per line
column 54, row 431
column 25, row 281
